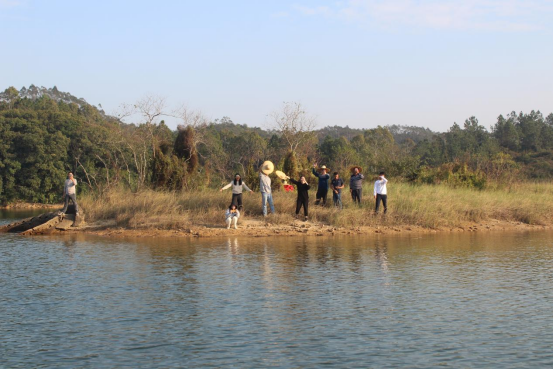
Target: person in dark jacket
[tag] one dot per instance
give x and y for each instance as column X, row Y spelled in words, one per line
column 356, row 184
column 303, row 196
column 322, row 189
column 337, row 184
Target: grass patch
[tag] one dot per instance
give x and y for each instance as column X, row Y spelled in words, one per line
column 430, row 206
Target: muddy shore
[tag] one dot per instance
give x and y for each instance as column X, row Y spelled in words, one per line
column 260, row 228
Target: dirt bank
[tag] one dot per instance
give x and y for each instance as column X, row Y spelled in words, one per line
column 27, row 205
column 261, row 228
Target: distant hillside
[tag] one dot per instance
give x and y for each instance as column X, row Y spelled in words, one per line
column 400, row 133
column 34, row 92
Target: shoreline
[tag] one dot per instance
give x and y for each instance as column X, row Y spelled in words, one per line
column 29, row 205
column 259, row 229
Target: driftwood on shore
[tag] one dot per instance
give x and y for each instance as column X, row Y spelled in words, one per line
column 45, row 223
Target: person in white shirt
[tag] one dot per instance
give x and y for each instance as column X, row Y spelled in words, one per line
column 231, row 216
column 380, row 192
column 69, row 193
column 237, row 186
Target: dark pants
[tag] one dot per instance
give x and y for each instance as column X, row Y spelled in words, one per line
column 73, row 198
column 302, row 202
column 384, row 199
column 237, row 200
column 356, row 195
column 321, row 195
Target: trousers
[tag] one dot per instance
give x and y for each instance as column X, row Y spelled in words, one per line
column 321, row 195
column 237, row 200
column 337, row 199
column 356, row 195
column 73, row 198
column 267, row 198
column 305, row 204
column 233, row 220
column 384, row 199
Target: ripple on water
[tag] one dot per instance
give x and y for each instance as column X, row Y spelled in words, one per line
column 458, row 300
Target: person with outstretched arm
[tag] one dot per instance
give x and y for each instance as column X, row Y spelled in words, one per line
column 380, row 192
column 322, row 189
column 356, row 184
column 70, row 193
column 303, row 196
column 237, row 187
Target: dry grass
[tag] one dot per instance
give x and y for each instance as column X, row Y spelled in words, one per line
column 421, row 205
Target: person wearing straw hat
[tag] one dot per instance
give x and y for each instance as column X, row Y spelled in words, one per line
column 265, row 186
column 356, row 184
column 322, row 189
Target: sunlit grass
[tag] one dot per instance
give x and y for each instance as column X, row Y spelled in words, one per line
column 430, row 206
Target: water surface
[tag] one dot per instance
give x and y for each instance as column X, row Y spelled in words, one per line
column 454, row 300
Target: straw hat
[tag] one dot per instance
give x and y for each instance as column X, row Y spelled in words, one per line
column 356, row 166
column 280, row 174
column 323, row 167
column 267, row 167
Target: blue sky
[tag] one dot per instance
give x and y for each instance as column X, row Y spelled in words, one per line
column 360, row 63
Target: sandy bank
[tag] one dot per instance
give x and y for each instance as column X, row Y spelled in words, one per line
column 261, row 228
column 27, row 205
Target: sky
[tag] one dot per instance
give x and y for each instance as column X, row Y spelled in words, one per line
column 360, row 63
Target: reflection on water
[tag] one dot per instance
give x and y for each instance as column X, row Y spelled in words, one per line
column 460, row 300
column 12, row 215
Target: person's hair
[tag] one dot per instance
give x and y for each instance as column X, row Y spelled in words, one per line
column 336, row 173
column 382, row 174
column 231, row 205
column 237, row 182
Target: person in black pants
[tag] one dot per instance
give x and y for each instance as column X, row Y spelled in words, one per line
column 322, row 189
column 303, row 196
column 381, row 192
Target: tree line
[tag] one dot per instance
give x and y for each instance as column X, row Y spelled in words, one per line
column 42, row 138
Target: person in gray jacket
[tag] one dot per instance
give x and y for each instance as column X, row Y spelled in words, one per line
column 265, row 186
column 69, row 193
column 237, row 186
column 356, row 184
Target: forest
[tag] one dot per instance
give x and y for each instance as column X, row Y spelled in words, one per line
column 45, row 133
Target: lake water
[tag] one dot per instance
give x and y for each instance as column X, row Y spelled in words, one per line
column 463, row 301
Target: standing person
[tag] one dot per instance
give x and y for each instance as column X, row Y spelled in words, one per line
column 69, row 193
column 337, row 184
column 303, row 196
column 356, row 184
column 237, row 186
column 231, row 216
column 322, row 189
column 380, row 192
column 265, row 186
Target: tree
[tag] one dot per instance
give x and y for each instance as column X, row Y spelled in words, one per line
column 294, row 124
column 505, row 132
column 185, row 147
column 11, row 95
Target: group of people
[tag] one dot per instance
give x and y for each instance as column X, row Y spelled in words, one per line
column 325, row 182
